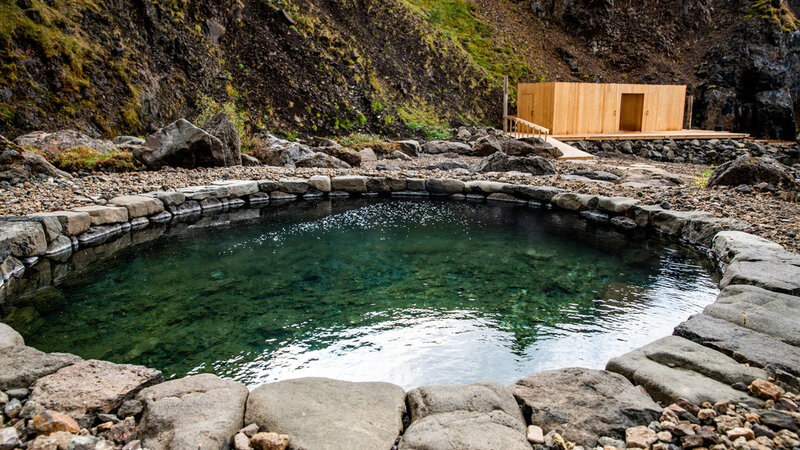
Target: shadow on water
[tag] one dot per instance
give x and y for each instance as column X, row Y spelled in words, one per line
column 411, row 292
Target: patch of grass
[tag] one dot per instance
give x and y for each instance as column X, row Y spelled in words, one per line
column 702, row 181
column 775, row 11
column 458, row 20
column 85, row 158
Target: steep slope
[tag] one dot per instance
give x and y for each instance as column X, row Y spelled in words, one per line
column 381, row 66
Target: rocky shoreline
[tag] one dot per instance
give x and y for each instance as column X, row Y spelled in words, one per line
column 729, row 381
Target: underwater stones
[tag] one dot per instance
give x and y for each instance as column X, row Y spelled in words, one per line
column 575, row 202
column 608, row 403
column 104, row 215
column 475, row 416
column 742, row 344
column 91, row 387
column 760, row 310
column 439, row 186
column 22, row 239
column 73, row 223
column 349, row 183
column 138, row 205
column 200, row 411
column 769, row 275
column 9, row 336
column 23, row 365
column 326, row 413
column 321, row 183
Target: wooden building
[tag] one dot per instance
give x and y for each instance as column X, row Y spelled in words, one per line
column 590, row 109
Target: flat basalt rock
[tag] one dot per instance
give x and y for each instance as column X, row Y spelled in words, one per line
column 22, row 365
column 92, row 387
column 324, row 413
column 200, row 411
column 583, row 404
column 475, row 416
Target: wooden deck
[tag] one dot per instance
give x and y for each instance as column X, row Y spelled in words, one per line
column 569, row 152
column 659, row 135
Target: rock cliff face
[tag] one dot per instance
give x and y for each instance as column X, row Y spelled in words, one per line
column 741, row 58
column 381, row 66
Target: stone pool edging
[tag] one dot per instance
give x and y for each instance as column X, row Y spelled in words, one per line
column 699, row 362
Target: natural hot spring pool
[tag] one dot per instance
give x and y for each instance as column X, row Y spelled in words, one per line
column 411, row 292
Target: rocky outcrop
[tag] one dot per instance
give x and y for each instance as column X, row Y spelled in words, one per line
column 751, row 171
column 476, row 416
column 55, row 143
column 91, row 387
column 23, row 365
column 181, row 144
column 9, row 336
column 18, row 165
column 222, row 127
column 609, row 404
column 200, row 411
column 325, row 413
column 438, row 147
column 501, row 162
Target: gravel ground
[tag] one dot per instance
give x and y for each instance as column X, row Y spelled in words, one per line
column 770, row 216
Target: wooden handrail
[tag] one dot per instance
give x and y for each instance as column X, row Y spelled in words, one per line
column 517, row 128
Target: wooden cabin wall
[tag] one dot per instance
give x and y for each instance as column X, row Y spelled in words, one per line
column 535, row 103
column 589, row 108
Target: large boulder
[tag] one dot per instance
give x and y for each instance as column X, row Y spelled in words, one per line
column 181, row 144
column 486, row 145
column 347, row 155
column 321, row 160
column 22, row 365
column 92, row 387
column 200, row 411
column 583, row 405
column 501, row 162
column 320, row 413
column 437, row 147
column 18, row 165
column 274, row 151
column 222, row 127
column 751, row 171
column 9, row 336
column 472, row 417
column 530, row 147
column 22, row 239
column 55, row 143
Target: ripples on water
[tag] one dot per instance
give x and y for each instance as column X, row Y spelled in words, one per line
column 408, row 292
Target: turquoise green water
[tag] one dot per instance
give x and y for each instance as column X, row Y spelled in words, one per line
column 407, row 292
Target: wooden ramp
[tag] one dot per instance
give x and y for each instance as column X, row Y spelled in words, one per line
column 569, row 152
